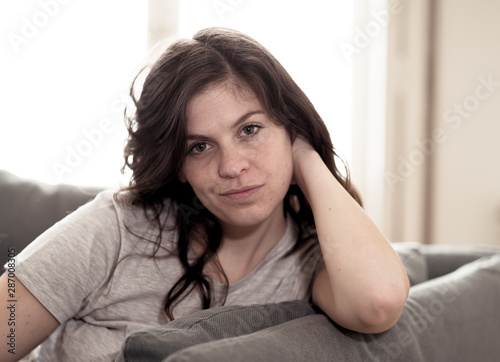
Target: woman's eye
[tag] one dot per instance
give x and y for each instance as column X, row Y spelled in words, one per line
column 250, row 129
column 199, row 147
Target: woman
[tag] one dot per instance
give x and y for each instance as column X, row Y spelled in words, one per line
column 235, row 199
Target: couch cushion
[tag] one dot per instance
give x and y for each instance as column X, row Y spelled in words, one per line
column 413, row 260
column 451, row 318
column 29, row 207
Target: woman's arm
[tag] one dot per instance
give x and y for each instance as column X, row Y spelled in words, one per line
column 24, row 324
column 363, row 286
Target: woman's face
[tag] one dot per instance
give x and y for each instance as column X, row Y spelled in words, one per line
column 239, row 161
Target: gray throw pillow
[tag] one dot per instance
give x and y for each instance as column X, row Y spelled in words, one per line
column 208, row 325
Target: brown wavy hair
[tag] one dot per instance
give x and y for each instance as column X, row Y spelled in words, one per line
column 156, row 146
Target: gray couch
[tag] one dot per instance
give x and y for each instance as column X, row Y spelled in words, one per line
column 452, row 313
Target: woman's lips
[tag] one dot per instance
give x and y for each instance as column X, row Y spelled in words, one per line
column 242, row 194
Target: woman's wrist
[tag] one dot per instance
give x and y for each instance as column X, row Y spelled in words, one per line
column 312, row 174
column 305, row 160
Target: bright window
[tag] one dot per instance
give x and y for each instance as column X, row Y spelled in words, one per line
column 65, row 69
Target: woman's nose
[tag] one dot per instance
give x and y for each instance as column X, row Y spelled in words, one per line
column 232, row 162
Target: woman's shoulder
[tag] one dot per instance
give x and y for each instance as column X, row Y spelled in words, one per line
column 142, row 224
column 124, row 202
column 115, row 214
column 136, row 210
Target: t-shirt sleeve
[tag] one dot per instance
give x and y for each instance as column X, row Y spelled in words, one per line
column 66, row 265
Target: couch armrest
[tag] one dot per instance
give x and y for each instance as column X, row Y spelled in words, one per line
column 443, row 259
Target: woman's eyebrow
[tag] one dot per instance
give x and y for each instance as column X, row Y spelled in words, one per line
column 245, row 117
column 240, row 120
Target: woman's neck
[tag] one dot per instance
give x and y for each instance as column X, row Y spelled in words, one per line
column 243, row 249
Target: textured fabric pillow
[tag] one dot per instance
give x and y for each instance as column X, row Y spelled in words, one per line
column 451, row 318
column 208, row 325
column 413, row 260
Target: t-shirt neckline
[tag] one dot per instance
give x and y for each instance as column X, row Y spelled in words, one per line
column 286, row 239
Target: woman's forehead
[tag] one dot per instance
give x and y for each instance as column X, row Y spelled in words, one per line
column 237, row 88
column 220, row 102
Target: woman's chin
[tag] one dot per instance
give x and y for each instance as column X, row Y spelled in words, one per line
column 245, row 221
column 247, row 218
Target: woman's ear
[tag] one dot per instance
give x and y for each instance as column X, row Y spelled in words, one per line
column 293, row 135
column 182, row 178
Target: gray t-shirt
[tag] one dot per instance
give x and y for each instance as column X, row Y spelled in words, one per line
column 98, row 280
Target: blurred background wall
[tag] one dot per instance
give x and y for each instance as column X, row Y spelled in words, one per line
column 443, row 124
